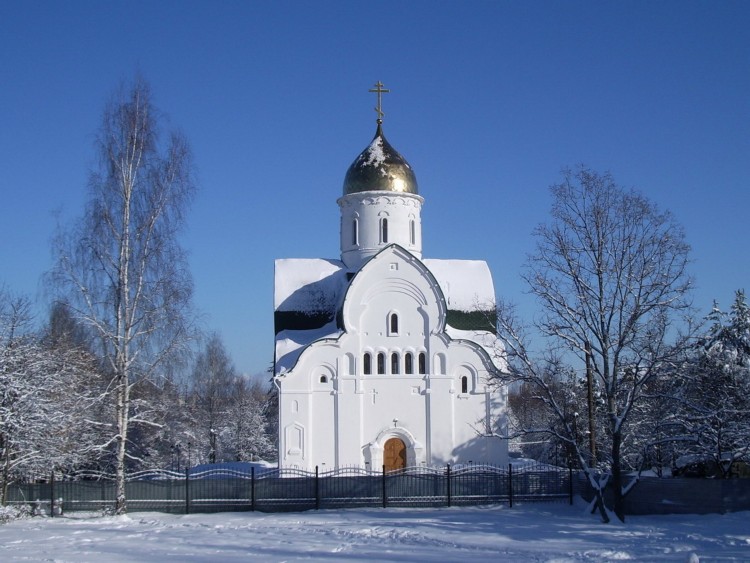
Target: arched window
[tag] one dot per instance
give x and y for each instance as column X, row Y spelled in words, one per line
column 409, row 363
column 422, row 363
column 464, row 384
column 381, row 363
column 393, row 324
column 384, row 230
column 367, row 363
column 394, row 363
column 412, row 232
column 323, row 379
column 355, row 232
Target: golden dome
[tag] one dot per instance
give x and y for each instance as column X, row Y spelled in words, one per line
column 380, row 167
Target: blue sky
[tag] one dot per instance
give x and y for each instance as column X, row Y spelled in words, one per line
column 488, row 102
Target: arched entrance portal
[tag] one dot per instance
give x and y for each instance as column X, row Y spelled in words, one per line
column 394, row 454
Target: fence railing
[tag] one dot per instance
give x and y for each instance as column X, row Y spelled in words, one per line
column 274, row 490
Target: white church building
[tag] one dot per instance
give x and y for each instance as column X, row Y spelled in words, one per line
column 382, row 357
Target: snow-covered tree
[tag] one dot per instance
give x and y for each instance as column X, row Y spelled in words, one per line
column 121, row 269
column 247, row 437
column 211, row 388
column 714, row 399
column 43, row 400
column 610, row 273
column 229, row 414
column 535, row 429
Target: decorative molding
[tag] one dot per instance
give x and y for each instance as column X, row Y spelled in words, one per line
column 374, row 198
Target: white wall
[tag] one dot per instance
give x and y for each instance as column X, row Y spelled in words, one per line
column 369, row 209
column 346, row 419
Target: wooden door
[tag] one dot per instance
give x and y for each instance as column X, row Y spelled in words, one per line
column 394, row 454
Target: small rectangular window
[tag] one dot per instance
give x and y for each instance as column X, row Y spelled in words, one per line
column 381, row 363
column 394, row 363
column 422, row 363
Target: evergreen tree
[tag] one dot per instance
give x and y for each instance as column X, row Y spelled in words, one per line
column 715, row 399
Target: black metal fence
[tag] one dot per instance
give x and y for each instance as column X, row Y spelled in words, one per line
column 679, row 495
column 292, row 490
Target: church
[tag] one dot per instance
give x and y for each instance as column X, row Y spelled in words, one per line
column 383, row 358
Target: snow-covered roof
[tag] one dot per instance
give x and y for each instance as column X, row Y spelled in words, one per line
column 308, row 291
column 290, row 343
column 487, row 340
column 315, row 284
column 308, row 284
column 466, row 284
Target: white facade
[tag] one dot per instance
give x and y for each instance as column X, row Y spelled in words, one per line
column 372, row 366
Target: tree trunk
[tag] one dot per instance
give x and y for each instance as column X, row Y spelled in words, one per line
column 122, row 434
column 619, row 499
column 6, row 475
column 601, row 506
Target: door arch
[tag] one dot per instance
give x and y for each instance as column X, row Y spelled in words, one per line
column 394, row 454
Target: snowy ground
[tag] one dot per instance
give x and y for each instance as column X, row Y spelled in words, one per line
column 525, row 533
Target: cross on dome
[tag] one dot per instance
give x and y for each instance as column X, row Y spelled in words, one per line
column 380, row 167
column 379, row 90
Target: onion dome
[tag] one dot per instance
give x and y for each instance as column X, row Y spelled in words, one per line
column 380, row 167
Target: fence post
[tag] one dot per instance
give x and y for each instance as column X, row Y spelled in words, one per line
column 52, row 494
column 385, row 499
column 570, row 484
column 187, row 490
column 252, row 488
column 448, row 471
column 510, row 484
column 317, row 489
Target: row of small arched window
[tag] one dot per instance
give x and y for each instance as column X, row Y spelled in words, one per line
column 384, row 231
column 379, row 361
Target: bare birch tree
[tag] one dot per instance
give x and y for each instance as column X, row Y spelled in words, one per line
column 610, row 273
column 121, row 269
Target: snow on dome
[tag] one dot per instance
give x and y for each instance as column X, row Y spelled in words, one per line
column 380, row 167
column 373, row 155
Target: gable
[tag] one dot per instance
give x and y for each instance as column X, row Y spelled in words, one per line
column 393, row 280
column 317, row 299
